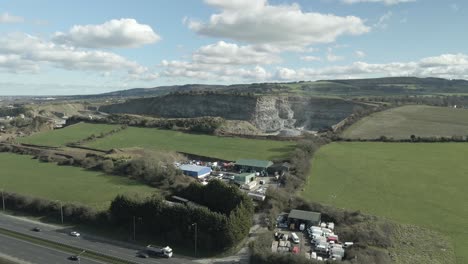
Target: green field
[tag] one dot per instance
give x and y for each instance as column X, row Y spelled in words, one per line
column 227, row 148
column 24, row 175
column 60, row 137
column 421, row 184
column 418, row 120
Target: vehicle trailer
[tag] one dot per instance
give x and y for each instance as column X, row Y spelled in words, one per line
column 159, row 251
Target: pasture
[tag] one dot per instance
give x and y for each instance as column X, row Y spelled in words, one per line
column 421, row 184
column 70, row 134
column 228, row 148
column 24, row 175
column 418, row 120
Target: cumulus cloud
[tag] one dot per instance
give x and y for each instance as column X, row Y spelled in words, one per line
column 213, row 72
column 25, row 53
column 6, row 18
column 360, row 54
column 121, row 33
column 386, row 2
column 331, row 57
column 230, row 53
column 310, row 58
column 451, row 66
column 284, row 26
column 382, row 23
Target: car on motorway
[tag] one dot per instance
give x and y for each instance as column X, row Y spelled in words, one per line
column 142, row 254
column 36, row 229
column 74, row 233
column 74, row 257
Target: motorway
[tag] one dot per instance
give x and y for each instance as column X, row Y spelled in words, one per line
column 31, row 253
column 59, row 234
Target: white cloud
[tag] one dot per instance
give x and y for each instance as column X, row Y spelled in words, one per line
column 212, row 72
column 229, row 53
column 284, row 26
column 6, row 18
column 122, row 33
column 310, row 58
column 454, row 7
column 382, row 23
column 360, row 54
column 387, row 2
column 26, row 53
column 451, row 66
column 331, row 57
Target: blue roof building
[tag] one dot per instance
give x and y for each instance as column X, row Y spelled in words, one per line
column 195, row 170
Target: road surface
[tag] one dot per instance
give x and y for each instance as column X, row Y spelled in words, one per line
column 90, row 242
column 25, row 252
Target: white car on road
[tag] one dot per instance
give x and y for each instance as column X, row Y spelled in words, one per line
column 74, row 233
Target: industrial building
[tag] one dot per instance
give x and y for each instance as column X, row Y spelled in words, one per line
column 245, row 180
column 195, row 170
column 251, row 165
column 309, row 218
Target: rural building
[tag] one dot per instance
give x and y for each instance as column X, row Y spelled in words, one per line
column 309, row 218
column 195, row 170
column 245, row 180
column 250, row 165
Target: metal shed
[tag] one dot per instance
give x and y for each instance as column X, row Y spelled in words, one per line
column 307, row 217
column 251, row 165
column 195, row 170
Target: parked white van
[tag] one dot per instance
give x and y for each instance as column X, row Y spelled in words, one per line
column 295, row 238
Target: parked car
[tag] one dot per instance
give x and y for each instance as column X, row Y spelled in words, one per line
column 74, row 233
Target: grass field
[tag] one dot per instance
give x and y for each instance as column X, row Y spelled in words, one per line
column 421, row 184
column 227, row 148
column 419, row 120
column 60, row 137
column 24, row 175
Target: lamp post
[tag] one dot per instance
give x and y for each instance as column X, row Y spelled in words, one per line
column 134, row 229
column 3, row 201
column 196, row 230
column 61, row 210
column 79, row 259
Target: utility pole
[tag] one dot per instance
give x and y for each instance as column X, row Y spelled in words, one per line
column 3, row 201
column 196, row 230
column 61, row 211
column 79, row 258
column 134, row 229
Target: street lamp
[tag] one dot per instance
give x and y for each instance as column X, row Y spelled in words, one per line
column 79, row 259
column 196, row 229
column 134, row 226
column 3, row 201
column 61, row 210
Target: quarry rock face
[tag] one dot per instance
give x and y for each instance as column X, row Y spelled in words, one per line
column 267, row 113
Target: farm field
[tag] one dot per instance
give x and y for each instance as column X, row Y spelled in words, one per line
column 418, row 120
column 24, row 175
column 227, row 148
column 73, row 133
column 421, row 184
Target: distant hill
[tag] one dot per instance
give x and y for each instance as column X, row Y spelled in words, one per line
column 391, row 86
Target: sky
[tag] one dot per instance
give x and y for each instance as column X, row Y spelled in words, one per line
column 58, row 47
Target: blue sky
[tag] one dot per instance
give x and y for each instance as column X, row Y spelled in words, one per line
column 82, row 47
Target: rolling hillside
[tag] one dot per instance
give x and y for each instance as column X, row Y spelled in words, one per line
column 418, row 120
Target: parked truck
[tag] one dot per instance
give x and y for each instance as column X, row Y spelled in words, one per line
column 159, row 251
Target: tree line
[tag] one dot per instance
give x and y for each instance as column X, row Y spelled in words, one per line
column 199, row 124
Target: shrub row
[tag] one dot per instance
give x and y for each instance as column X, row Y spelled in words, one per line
column 174, row 222
column 199, row 124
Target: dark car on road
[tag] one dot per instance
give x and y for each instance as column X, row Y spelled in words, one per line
column 74, row 258
column 36, row 229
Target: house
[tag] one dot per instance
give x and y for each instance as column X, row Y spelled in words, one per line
column 309, row 218
column 251, row 165
column 195, row 170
